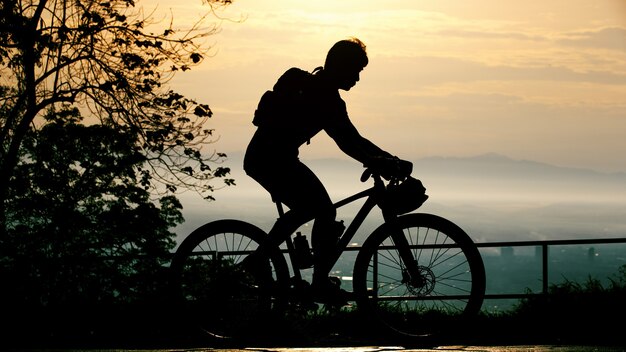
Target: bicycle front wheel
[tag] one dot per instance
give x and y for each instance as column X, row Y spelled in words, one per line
column 448, row 283
column 214, row 291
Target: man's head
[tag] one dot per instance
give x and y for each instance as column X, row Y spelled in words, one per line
column 344, row 62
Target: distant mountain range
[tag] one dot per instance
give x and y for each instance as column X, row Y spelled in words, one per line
column 494, row 176
column 499, row 166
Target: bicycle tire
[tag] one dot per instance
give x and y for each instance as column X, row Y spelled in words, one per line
column 216, row 294
column 452, row 284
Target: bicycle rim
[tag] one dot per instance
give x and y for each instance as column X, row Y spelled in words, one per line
column 214, row 291
column 451, row 282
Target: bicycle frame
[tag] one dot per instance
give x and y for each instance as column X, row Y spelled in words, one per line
column 372, row 195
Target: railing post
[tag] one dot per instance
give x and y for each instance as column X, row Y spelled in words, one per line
column 544, row 257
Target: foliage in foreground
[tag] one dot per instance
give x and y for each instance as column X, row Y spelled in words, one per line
column 580, row 301
column 81, row 227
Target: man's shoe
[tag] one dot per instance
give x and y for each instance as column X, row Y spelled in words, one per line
column 329, row 292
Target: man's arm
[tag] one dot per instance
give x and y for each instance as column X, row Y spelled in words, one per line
column 350, row 141
column 372, row 156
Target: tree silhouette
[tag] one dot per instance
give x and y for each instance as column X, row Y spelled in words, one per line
column 101, row 57
column 81, row 228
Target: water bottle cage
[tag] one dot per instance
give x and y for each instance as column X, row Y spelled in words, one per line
column 303, row 254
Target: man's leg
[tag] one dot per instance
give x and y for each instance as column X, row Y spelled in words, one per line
column 326, row 232
column 296, row 186
column 300, row 189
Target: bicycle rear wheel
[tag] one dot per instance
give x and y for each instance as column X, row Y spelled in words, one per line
column 451, row 282
column 214, row 291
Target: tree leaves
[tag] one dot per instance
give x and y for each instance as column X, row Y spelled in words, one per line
column 80, row 194
column 203, row 110
column 195, row 57
column 98, row 56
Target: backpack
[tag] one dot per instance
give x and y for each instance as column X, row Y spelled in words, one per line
column 284, row 100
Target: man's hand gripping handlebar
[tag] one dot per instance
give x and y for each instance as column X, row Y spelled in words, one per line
column 392, row 169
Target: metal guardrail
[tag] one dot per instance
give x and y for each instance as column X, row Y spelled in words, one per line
column 544, row 245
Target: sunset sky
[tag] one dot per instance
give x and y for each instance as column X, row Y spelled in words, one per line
column 537, row 80
column 532, row 80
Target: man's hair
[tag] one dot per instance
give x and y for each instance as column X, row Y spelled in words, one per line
column 347, row 53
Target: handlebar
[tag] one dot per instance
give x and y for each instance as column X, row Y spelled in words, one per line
column 391, row 169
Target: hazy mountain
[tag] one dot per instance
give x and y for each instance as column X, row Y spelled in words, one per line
column 492, row 171
column 496, row 177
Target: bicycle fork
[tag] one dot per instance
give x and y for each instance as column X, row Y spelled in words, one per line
column 411, row 274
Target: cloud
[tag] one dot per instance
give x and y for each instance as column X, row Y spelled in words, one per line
column 482, row 34
column 429, row 70
column 612, row 38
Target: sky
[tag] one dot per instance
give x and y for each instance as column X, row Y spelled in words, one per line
column 533, row 80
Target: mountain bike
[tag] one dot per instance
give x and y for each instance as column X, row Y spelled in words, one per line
column 413, row 268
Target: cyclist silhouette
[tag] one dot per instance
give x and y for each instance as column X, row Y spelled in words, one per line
column 301, row 105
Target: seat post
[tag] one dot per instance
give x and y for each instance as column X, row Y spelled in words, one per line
column 279, row 207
